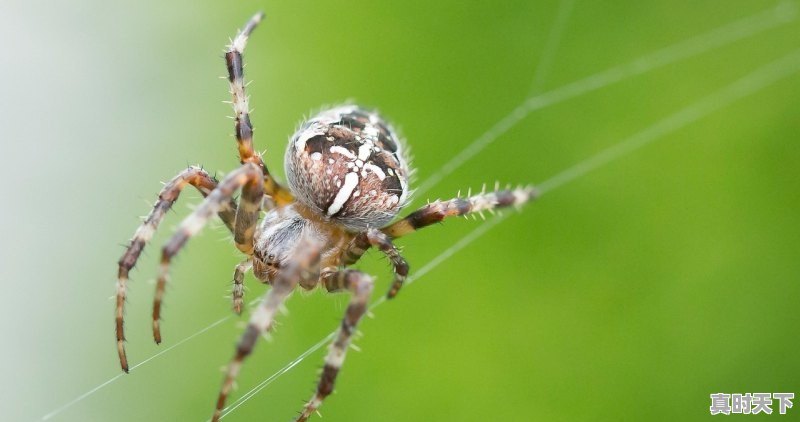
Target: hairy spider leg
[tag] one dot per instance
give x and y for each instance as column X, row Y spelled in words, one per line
column 360, row 286
column 238, row 284
column 306, row 266
column 382, row 241
column 436, row 211
column 247, row 215
column 241, row 109
column 204, row 183
column 432, row 213
column 247, row 177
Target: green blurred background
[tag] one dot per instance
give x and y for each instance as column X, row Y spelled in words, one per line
column 630, row 294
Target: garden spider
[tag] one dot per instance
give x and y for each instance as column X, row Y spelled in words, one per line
column 347, row 179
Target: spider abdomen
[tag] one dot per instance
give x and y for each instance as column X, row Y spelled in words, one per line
column 347, row 164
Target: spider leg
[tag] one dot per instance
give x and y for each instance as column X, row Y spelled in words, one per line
column 355, row 250
column 204, row 183
column 360, row 286
column 261, row 320
column 250, row 204
column 247, row 213
column 373, row 237
column 436, row 211
column 241, row 108
column 247, row 177
column 238, row 283
column 381, row 241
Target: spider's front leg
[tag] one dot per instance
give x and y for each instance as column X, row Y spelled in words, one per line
column 204, row 183
column 247, row 177
column 304, row 267
column 243, row 127
column 360, row 286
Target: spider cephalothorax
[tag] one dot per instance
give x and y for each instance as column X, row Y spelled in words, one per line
column 348, row 178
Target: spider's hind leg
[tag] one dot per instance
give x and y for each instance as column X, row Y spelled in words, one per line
column 360, row 286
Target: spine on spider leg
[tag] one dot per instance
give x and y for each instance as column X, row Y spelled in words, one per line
column 437, row 211
column 489, row 201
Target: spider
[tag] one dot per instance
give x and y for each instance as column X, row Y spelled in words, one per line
column 347, row 180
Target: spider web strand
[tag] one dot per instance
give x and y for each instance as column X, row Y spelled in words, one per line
column 781, row 14
column 551, row 46
column 289, row 366
column 85, row 395
column 748, row 85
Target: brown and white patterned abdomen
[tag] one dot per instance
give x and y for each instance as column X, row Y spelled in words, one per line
column 347, row 164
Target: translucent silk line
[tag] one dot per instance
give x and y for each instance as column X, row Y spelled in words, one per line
column 759, row 79
column 263, row 384
column 781, row 14
column 551, row 46
column 750, row 84
column 81, row 397
column 120, row 375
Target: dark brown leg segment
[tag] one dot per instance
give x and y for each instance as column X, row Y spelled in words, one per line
column 204, row 183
